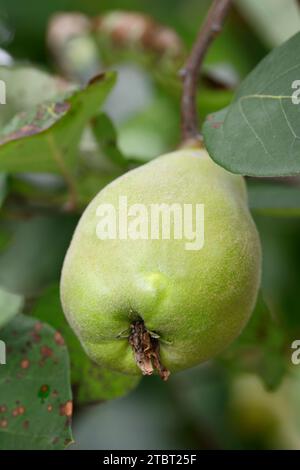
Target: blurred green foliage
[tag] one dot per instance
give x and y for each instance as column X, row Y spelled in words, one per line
column 209, row 406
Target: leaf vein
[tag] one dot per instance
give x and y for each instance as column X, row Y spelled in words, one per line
column 252, row 128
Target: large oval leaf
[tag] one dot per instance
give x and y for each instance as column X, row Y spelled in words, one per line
column 258, row 134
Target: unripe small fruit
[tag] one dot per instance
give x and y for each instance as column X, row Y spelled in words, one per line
column 191, row 303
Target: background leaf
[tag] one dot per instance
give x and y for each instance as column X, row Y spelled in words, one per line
column 3, row 187
column 258, row 14
column 35, row 251
column 258, row 133
column 46, row 139
column 10, row 305
column 106, row 136
column 35, row 394
column 274, row 199
column 260, row 348
column 26, row 86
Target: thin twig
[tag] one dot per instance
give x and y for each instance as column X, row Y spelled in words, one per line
column 190, row 73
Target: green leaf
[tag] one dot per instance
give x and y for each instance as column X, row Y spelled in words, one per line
column 258, row 133
column 46, row 138
column 4, row 240
column 106, row 136
column 26, row 87
column 150, row 132
column 260, row 348
column 265, row 17
column 272, row 199
column 10, row 305
column 210, row 100
column 3, row 187
column 34, row 254
column 91, row 382
column 35, row 394
column 89, row 184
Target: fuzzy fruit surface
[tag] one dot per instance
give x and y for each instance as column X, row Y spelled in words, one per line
column 196, row 301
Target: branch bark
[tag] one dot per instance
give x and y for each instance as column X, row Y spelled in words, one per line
column 211, row 27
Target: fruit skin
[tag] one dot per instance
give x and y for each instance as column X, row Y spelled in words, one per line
column 197, row 301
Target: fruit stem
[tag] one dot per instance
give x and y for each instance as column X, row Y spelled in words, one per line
column 212, row 25
column 146, row 350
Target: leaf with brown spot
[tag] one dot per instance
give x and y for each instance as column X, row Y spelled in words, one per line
column 25, row 421
column 42, row 117
column 29, row 86
column 46, row 137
